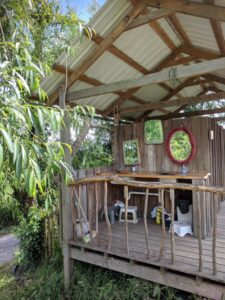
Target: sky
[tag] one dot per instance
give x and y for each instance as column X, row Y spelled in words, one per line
column 80, row 7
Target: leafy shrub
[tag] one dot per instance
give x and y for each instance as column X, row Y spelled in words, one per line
column 30, row 234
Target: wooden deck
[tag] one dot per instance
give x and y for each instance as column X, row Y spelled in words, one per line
column 186, row 256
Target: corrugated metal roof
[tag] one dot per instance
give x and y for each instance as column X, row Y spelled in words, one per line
column 143, row 45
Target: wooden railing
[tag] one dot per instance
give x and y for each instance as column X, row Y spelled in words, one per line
column 77, row 209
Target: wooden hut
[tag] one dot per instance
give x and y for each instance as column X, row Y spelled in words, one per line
column 149, row 60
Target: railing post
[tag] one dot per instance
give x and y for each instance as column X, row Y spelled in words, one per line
column 145, row 222
column 73, row 211
column 126, row 196
column 96, row 211
column 199, row 226
column 163, row 224
column 106, row 215
column 172, row 198
column 215, row 208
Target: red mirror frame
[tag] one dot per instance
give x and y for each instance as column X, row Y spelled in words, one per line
column 192, row 141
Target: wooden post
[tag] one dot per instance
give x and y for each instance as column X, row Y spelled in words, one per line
column 65, row 192
column 215, row 208
column 172, row 197
column 199, row 226
column 106, row 215
column 126, row 196
column 145, row 222
column 163, row 224
column 96, row 211
column 115, row 139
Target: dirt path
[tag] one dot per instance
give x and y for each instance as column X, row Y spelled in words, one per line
column 8, row 245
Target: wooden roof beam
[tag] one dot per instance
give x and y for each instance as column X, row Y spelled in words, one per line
column 61, row 69
column 170, row 58
column 214, row 77
column 177, row 102
column 162, row 76
column 146, row 19
column 101, row 48
column 218, row 33
column 199, row 53
column 190, row 114
column 179, row 29
column 163, row 35
column 203, row 10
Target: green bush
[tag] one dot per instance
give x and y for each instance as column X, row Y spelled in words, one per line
column 30, row 234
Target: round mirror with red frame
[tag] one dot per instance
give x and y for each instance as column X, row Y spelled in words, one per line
column 181, row 145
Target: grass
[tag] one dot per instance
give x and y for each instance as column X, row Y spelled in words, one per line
column 46, row 282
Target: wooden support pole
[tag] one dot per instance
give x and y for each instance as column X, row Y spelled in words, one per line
column 146, row 223
column 199, row 226
column 215, row 211
column 172, row 198
column 65, row 191
column 106, row 215
column 96, row 211
column 126, row 196
column 79, row 210
column 163, row 224
column 73, row 210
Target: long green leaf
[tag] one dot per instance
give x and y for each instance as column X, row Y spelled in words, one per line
column 19, row 166
column 8, row 139
column 16, row 150
column 1, row 155
column 32, row 184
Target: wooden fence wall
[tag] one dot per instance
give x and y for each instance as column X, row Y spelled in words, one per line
column 154, row 157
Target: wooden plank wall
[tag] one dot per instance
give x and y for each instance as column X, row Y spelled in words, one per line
column 154, row 157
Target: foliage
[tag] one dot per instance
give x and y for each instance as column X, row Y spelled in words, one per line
column 89, row 283
column 180, row 145
column 30, row 233
column 153, row 132
column 9, row 206
column 96, row 150
column 25, row 144
column 131, row 152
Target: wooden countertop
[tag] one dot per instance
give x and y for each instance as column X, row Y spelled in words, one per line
column 151, row 175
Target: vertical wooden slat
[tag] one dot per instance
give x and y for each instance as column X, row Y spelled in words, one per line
column 78, row 211
column 199, row 226
column 96, row 209
column 172, row 197
column 163, row 224
column 146, row 223
column 72, row 206
column 214, row 233
column 90, row 207
column 106, row 215
column 126, row 223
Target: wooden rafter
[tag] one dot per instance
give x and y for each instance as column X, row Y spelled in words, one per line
column 163, row 35
column 121, row 55
column 146, row 19
column 167, row 61
column 192, row 8
column 199, row 53
column 218, row 33
column 162, row 76
column 92, row 81
column 177, row 102
column 190, row 114
column 179, row 29
column 101, row 48
column 215, row 78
